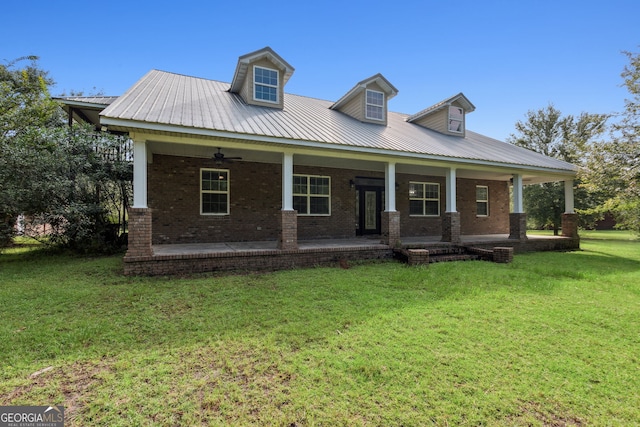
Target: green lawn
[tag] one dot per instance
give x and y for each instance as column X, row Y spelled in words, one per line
column 552, row 339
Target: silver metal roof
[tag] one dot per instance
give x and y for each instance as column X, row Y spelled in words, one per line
column 161, row 99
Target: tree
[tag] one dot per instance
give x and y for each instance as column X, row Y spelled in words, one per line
column 613, row 169
column 65, row 177
column 566, row 138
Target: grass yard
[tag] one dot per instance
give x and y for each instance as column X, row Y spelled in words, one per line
column 552, row 339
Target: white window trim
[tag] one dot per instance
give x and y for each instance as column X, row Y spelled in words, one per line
column 308, row 195
column 215, row 191
column 424, row 199
column 366, row 111
column 449, row 120
column 277, row 85
column 482, row 201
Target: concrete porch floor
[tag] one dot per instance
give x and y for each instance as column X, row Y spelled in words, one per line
column 319, row 244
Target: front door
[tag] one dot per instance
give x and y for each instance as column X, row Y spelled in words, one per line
column 369, row 209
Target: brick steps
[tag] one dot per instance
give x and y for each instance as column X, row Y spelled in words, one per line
column 453, row 257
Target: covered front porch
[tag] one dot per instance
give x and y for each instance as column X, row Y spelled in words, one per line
column 260, row 227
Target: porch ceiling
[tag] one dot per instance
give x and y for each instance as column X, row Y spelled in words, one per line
column 203, row 148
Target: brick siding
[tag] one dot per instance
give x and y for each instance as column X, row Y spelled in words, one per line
column 256, row 203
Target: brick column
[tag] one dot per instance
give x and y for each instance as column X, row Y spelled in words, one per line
column 288, row 230
column 518, row 226
column 139, row 233
column 502, row 255
column 390, row 228
column 451, row 227
column 570, row 225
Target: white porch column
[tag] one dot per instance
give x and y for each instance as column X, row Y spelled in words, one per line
column 450, row 183
column 139, row 174
column 517, row 218
column 390, row 187
column 287, row 181
column 517, row 194
column 288, row 217
column 568, row 197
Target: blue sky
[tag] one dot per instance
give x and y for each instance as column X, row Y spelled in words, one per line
column 507, row 57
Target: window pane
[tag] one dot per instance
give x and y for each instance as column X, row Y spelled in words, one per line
column 455, row 125
column 432, row 207
column 215, row 180
column 374, row 112
column 375, row 98
column 319, row 205
column 299, row 184
column 482, row 193
column 431, row 191
column 416, row 190
column 214, row 203
column 266, row 92
column 456, row 113
column 482, row 208
column 300, row 204
column 415, row 207
column 266, row 76
column 318, row 185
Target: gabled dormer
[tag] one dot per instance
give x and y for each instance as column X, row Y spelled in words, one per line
column 260, row 77
column 367, row 101
column 448, row 116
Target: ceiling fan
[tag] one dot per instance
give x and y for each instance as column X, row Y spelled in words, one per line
column 220, row 158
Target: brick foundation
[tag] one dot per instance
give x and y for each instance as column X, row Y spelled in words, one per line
column 518, row 226
column 251, row 260
column 391, row 228
column 451, row 227
column 288, row 230
column 139, row 233
column 570, row 225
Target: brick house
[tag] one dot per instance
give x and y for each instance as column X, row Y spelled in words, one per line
column 218, row 163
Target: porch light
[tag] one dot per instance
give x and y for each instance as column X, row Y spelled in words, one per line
column 352, row 184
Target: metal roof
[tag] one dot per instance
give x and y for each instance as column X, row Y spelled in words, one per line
column 166, row 100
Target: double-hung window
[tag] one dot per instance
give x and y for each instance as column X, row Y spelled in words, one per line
column 424, row 199
column 375, row 105
column 312, row 194
column 482, row 200
column 214, row 191
column 265, row 84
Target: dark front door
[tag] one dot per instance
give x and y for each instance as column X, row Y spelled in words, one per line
column 369, row 209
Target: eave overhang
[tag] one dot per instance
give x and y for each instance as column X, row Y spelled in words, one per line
column 381, row 153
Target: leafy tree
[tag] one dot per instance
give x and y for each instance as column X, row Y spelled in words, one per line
column 566, row 138
column 613, row 169
column 66, row 178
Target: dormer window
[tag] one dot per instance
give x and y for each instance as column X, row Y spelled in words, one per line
column 375, row 105
column 447, row 117
column 265, row 86
column 456, row 117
